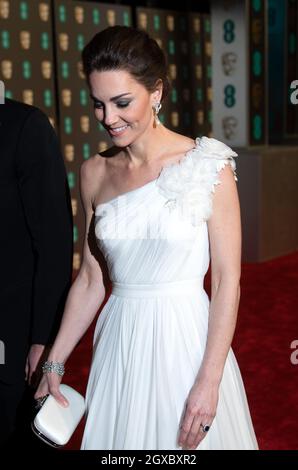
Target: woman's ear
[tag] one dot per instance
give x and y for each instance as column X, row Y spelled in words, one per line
column 157, row 94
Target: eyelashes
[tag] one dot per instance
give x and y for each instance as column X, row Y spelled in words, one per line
column 119, row 105
column 122, row 105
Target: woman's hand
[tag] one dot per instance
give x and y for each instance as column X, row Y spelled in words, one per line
column 199, row 411
column 49, row 384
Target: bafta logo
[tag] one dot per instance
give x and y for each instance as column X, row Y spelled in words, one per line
column 198, row 71
column 66, row 97
column 200, row 117
column 76, row 261
column 80, row 70
column 74, row 206
column 69, row 152
column 229, row 61
column 79, row 15
column 196, row 25
column 102, row 146
column 111, row 17
column 175, row 119
column 209, row 93
column 63, row 41
column 173, row 71
column 4, row 9
column 6, row 69
column 208, row 49
column 44, row 11
column 229, row 126
column 143, row 21
column 46, row 69
column 170, row 22
column 85, row 124
column 28, row 97
column 25, row 40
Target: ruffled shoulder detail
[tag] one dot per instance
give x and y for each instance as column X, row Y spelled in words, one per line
column 189, row 184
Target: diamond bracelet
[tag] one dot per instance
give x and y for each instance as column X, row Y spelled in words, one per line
column 50, row 366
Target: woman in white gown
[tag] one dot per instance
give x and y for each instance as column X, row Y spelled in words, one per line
column 163, row 375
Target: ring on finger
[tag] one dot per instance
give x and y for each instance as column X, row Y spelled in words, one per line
column 205, row 427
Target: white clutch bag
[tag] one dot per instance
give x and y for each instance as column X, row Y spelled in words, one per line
column 54, row 424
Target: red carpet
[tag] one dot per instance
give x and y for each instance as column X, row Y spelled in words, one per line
column 267, row 324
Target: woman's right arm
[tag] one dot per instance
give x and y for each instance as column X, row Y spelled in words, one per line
column 84, row 298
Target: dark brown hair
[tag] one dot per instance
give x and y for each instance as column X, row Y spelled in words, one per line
column 130, row 49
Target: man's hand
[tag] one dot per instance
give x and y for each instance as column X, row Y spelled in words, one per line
column 33, row 363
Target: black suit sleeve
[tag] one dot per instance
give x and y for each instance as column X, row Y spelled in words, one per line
column 46, row 202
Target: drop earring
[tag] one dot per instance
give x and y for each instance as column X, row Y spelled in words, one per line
column 156, row 108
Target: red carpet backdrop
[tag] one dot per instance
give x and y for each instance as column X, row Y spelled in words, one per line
column 267, row 325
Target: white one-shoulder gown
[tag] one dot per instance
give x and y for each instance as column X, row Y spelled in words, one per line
column 151, row 334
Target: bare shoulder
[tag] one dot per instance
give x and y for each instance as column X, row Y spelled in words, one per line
column 97, row 165
column 95, row 172
column 181, row 143
column 93, row 164
column 92, row 172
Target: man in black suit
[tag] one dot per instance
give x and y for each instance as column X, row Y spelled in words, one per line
column 36, row 249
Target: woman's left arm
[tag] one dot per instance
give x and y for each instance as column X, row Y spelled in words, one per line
column 224, row 227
